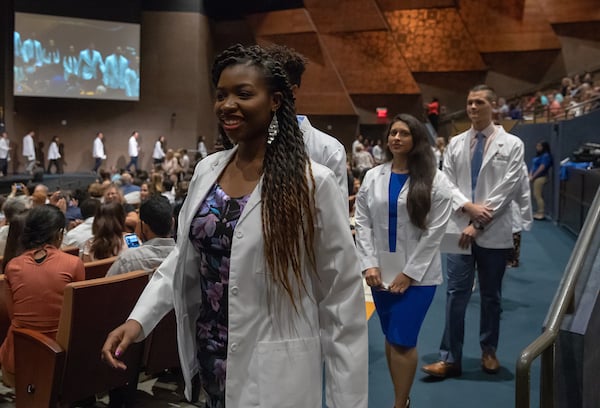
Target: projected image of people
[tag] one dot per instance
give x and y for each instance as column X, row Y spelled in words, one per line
column 75, row 58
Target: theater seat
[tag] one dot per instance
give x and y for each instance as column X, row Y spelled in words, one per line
column 57, row 373
column 71, row 250
column 98, row 269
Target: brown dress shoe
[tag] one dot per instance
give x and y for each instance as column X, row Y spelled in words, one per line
column 489, row 363
column 442, row 369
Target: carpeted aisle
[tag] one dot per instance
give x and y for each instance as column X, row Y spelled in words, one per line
column 527, row 293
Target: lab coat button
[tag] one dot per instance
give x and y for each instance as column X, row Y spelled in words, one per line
column 234, row 291
column 234, row 347
column 239, row 234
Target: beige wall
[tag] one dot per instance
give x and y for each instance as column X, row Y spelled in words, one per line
column 176, row 100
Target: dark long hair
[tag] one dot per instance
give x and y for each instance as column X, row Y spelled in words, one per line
column 288, row 203
column 545, row 148
column 421, row 168
column 42, row 226
column 108, row 228
column 14, row 242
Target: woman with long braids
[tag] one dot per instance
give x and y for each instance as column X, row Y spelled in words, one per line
column 264, row 279
column 402, row 209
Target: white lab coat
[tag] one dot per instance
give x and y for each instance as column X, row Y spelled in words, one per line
column 53, row 153
column 274, row 355
column 28, row 147
column 158, row 152
column 134, row 147
column 98, row 152
column 327, row 151
column 522, row 214
column 498, row 179
column 417, row 250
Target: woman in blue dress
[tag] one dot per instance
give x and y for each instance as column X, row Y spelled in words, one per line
column 538, row 175
column 403, row 207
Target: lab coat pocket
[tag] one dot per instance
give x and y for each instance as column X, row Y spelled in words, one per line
column 290, row 373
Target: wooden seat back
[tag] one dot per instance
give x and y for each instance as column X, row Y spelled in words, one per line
column 71, row 250
column 70, row 369
column 97, row 269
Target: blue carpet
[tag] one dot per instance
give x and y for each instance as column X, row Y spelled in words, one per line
column 527, row 293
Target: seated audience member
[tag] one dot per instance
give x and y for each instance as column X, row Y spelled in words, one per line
column 12, row 207
column 38, row 199
column 73, row 212
column 36, row 279
column 14, row 246
column 146, row 191
column 108, row 229
column 112, row 193
column 184, row 161
column 79, row 235
column 154, row 229
column 168, row 191
column 96, row 190
column 127, row 185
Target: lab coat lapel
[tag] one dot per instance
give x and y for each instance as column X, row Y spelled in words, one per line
column 494, row 147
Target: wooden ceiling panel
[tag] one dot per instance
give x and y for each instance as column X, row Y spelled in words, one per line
column 434, row 40
column 369, row 62
column 529, row 66
column 585, row 31
column 508, row 25
column 322, row 91
column 391, row 5
column 570, row 11
column 332, row 16
column 281, row 22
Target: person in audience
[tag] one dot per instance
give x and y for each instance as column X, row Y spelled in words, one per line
column 155, row 231
column 158, row 155
column 14, row 244
column 433, row 113
column 321, row 147
column 438, row 151
column 53, row 155
column 202, row 151
column 146, row 191
column 79, row 235
column 300, row 306
column 168, row 192
column 113, row 193
column 127, row 185
column 12, row 207
column 358, row 141
column 108, row 229
column 363, row 161
column 538, row 175
column 171, row 164
column 484, row 164
column 402, row 209
column 184, row 161
column 36, row 280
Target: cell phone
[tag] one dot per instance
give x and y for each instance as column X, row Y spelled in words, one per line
column 132, row 241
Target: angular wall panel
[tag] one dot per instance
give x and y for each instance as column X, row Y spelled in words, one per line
column 570, row 11
column 369, row 62
column 281, row 22
column 331, row 16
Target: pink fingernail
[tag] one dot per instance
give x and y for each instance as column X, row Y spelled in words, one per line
column 117, row 353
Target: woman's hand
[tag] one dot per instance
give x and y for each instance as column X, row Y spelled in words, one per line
column 373, row 278
column 117, row 342
column 400, row 283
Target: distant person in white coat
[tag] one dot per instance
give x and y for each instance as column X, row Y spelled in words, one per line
column 202, row 151
column 91, row 67
column 133, row 150
column 158, row 155
column 98, row 151
column 53, row 155
column 4, row 154
column 321, row 147
column 29, row 151
column 115, row 67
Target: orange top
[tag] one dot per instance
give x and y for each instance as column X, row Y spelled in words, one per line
column 36, row 294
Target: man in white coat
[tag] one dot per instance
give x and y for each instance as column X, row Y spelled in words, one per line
column 29, row 151
column 98, row 151
column 485, row 164
column 321, row 147
column 134, row 151
column 115, row 67
column 4, row 154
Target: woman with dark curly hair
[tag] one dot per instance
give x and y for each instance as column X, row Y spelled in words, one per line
column 36, row 280
column 264, row 279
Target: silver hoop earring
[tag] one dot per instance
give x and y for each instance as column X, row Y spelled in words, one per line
column 273, row 130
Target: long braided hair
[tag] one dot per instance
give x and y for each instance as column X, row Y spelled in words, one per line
column 288, row 202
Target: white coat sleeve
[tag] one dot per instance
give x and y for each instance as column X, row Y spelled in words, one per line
column 340, row 297
column 157, row 298
column 503, row 192
column 337, row 163
column 365, row 236
column 437, row 220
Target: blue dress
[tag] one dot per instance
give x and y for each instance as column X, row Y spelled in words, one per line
column 401, row 315
column 211, row 233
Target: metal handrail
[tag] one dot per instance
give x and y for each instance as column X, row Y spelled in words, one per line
column 545, row 344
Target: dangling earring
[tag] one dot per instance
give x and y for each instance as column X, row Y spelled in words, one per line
column 273, row 129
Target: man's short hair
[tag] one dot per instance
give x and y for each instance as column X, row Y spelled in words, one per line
column 491, row 93
column 157, row 213
column 293, row 62
column 89, row 207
